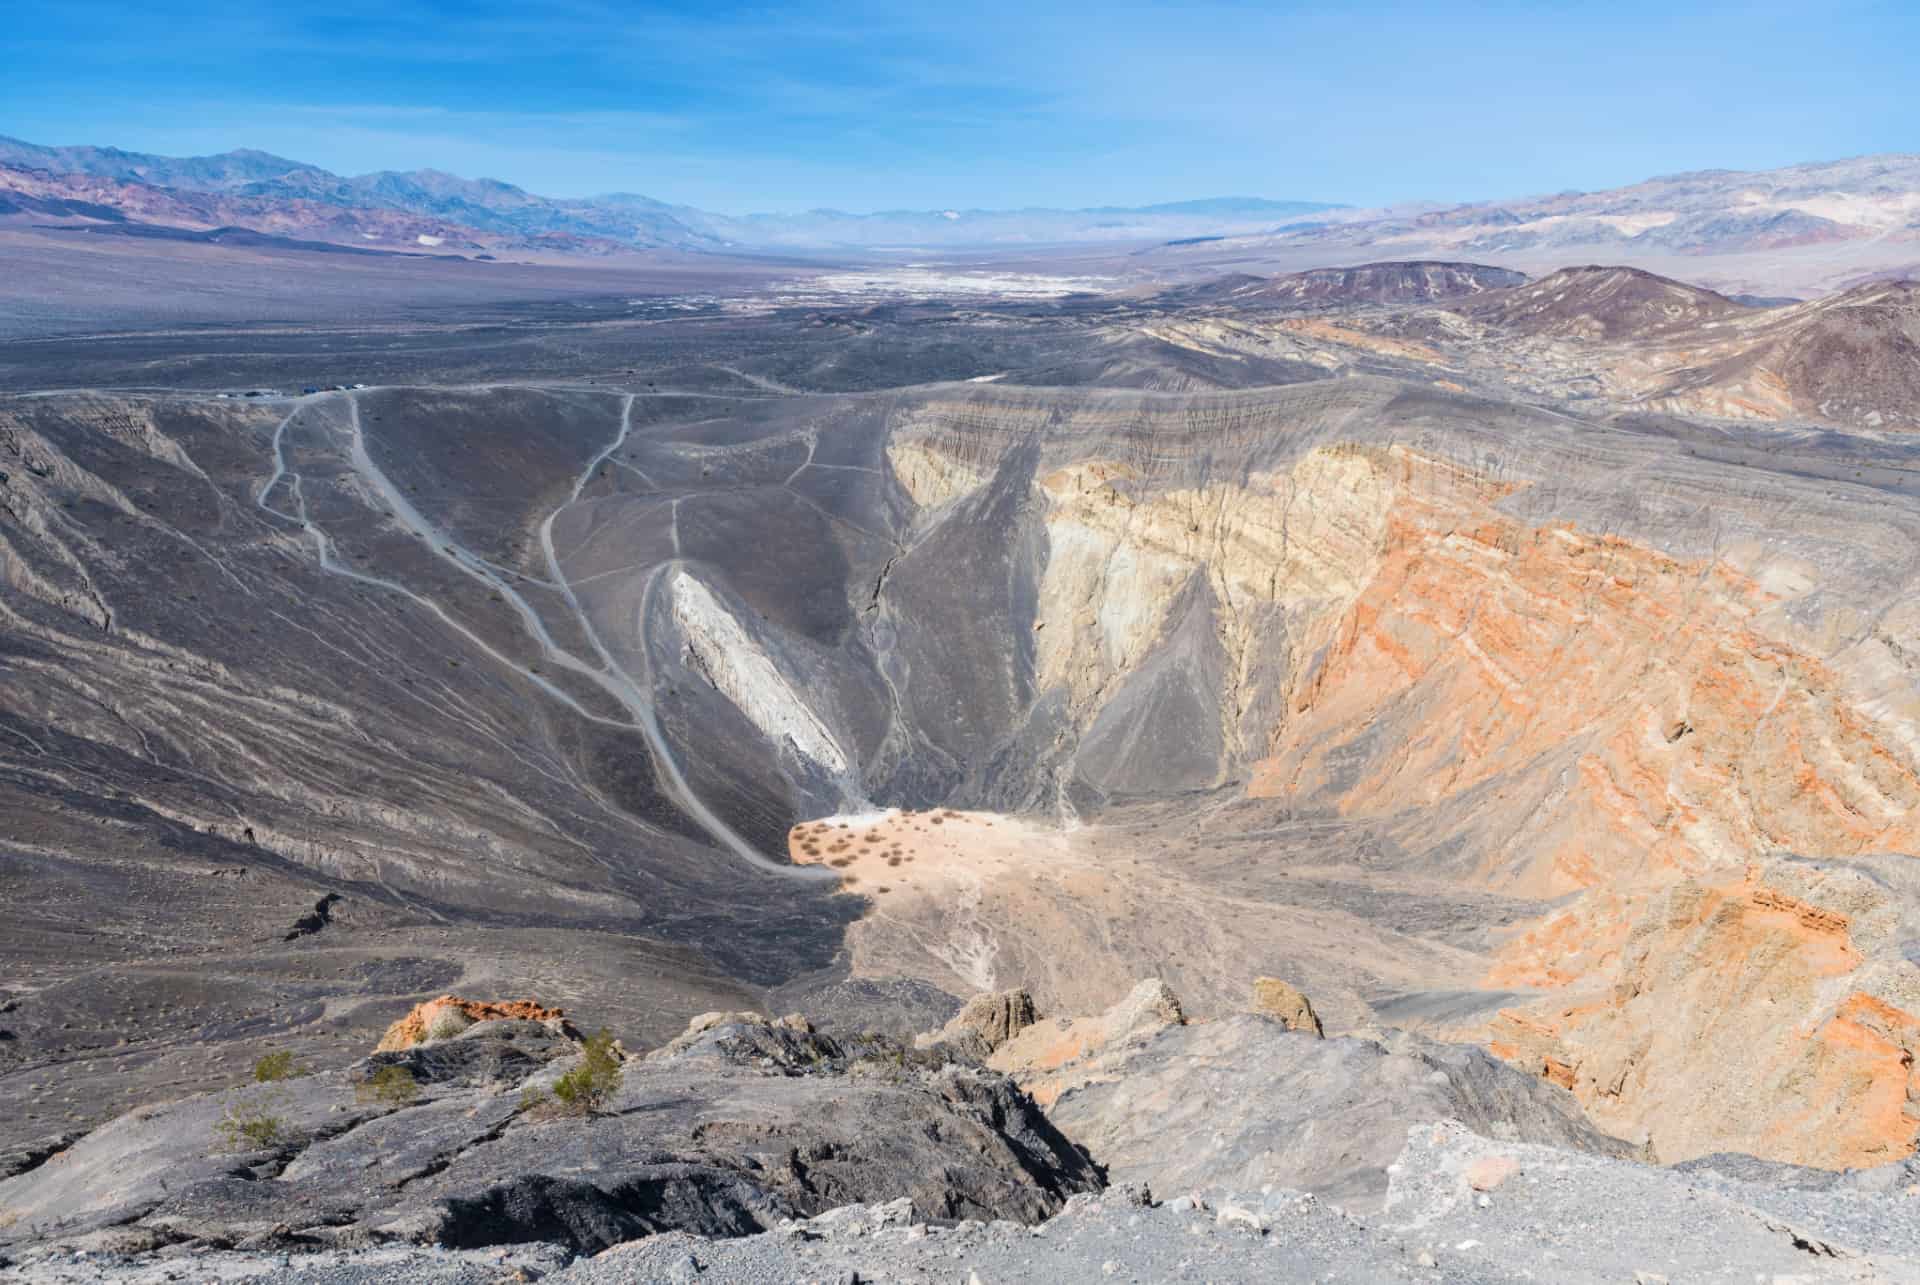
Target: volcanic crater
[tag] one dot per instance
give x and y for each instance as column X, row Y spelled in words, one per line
column 1543, row 731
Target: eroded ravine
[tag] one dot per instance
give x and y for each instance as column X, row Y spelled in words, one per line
column 633, row 695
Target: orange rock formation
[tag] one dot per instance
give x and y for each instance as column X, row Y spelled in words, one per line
column 412, row 1028
column 1593, row 716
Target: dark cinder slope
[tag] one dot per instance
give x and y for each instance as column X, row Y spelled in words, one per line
column 1852, row 358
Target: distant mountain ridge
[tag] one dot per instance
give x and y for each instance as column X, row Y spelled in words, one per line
column 207, row 173
column 248, row 187
column 487, row 213
column 1819, row 225
column 1800, row 230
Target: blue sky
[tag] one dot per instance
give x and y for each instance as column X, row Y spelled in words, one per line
column 979, row 103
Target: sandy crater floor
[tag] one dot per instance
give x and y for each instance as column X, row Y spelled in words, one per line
column 975, row 901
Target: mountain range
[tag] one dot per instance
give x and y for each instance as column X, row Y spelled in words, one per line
column 431, row 209
column 1801, row 230
column 1811, row 227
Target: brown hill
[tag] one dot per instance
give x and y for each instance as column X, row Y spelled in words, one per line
column 1603, row 303
column 1852, row 358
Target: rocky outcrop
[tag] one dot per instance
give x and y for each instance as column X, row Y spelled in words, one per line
column 749, row 1122
column 20, row 1157
column 1284, row 1002
column 424, row 1017
column 1577, row 1218
column 1270, row 1105
column 1052, row 1056
column 985, row 1023
column 1276, row 1102
column 700, row 1024
column 748, row 1127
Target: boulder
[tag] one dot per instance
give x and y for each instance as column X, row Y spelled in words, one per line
column 1284, row 1002
column 1149, row 1006
column 985, row 1022
column 700, row 1024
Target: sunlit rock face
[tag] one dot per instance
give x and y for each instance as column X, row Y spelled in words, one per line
column 1550, row 676
column 1774, row 1005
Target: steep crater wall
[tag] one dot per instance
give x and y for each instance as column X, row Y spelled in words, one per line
column 1518, row 651
column 593, row 656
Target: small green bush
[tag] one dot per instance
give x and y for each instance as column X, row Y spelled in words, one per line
column 277, row 1065
column 250, row 1126
column 587, row 1088
column 392, row 1085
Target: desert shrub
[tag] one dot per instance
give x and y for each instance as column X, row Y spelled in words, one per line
column 277, row 1065
column 447, row 1023
column 392, row 1084
column 250, row 1126
column 588, row 1087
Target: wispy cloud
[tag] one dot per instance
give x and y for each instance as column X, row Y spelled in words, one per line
column 856, row 103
